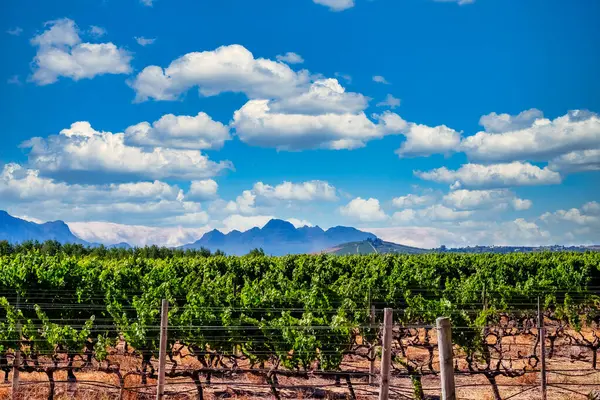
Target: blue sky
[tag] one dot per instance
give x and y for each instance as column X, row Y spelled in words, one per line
column 427, row 122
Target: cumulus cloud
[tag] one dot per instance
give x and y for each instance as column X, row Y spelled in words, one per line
column 587, row 215
column 264, row 198
column 492, row 176
column 16, row 31
column 303, row 191
column 97, row 31
column 380, row 79
column 413, row 201
column 363, row 210
column 290, row 58
column 436, row 212
column 202, row 190
column 60, row 53
column 142, row 41
column 198, row 132
column 518, row 232
column 256, row 124
column 345, row 77
column 529, row 136
column 14, row 80
column 390, row 101
column 576, row 161
column 243, row 222
column 422, row 140
column 482, row 199
column 136, row 235
column 459, row 2
column 82, row 148
column 227, row 69
column 324, row 96
column 336, row 5
column 26, row 185
column 25, row 192
column 592, row 207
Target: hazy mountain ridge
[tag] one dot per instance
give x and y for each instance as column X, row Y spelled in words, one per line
column 279, row 237
column 17, row 230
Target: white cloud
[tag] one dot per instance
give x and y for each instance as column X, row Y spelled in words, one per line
column 336, row 5
column 303, row 191
column 423, row 237
column 518, row 232
column 592, row 207
column 436, row 212
column 202, row 190
column 244, row 204
column 227, row 69
column 26, row 185
column 147, row 3
column 584, row 160
column 390, row 101
column 299, row 223
column 574, row 215
column 61, row 53
column 529, row 136
column 459, row 2
column 483, row 199
column 413, row 200
column 405, row 216
column 81, row 148
column 136, row 235
column 97, row 31
column 500, row 123
column 324, row 96
column 380, row 79
column 256, row 124
column 364, row 210
column 346, row 77
column 521, row 204
column 16, row 31
column 25, row 192
column 263, row 198
column 290, row 58
column 198, row 132
column 422, row 140
column 142, row 41
column 493, row 175
column 243, row 223
column 14, row 80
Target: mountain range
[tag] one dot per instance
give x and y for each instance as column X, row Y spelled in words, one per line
column 279, row 237
column 16, row 230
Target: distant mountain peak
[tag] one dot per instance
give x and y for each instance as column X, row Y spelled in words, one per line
column 279, row 237
column 17, row 230
column 278, row 224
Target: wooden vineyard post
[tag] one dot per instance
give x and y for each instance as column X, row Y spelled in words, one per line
column 17, row 359
column 444, row 335
column 162, row 354
column 542, row 334
column 372, row 351
column 386, row 354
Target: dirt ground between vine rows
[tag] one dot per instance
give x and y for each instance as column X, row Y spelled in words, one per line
column 570, row 376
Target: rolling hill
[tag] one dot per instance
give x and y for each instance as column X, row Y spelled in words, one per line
column 372, row 246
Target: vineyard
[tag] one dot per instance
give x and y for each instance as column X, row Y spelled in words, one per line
column 87, row 324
